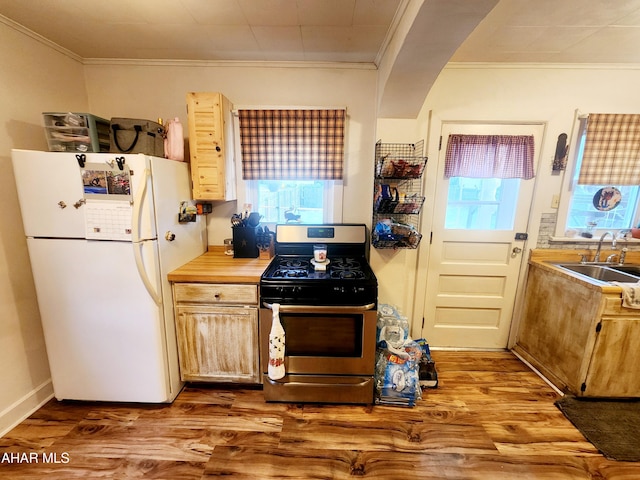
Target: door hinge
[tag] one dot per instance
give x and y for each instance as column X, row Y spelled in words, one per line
column 440, row 143
column 598, row 327
column 430, row 238
column 583, row 387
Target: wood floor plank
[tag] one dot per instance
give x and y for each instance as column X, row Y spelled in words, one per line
column 490, row 418
column 285, row 463
column 387, row 435
column 154, row 443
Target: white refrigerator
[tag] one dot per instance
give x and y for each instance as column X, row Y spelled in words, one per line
column 103, row 231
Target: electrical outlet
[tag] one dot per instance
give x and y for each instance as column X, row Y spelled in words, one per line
column 555, row 201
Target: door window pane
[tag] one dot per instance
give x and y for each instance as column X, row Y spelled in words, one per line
column 481, row 203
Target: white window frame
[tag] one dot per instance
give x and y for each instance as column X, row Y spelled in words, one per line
column 566, row 193
column 247, row 190
column 332, row 192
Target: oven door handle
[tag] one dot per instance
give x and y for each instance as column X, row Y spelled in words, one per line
column 323, row 308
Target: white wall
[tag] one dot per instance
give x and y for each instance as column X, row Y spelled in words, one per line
column 154, row 91
column 395, row 269
column 33, row 79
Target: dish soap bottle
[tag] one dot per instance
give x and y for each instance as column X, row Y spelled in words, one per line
column 276, row 345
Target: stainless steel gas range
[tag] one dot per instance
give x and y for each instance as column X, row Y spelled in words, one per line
column 328, row 309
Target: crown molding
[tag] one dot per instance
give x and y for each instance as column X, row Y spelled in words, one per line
column 227, row 63
column 40, row 39
column 540, row 66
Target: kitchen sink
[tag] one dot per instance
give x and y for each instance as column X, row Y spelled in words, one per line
column 605, row 273
column 630, row 269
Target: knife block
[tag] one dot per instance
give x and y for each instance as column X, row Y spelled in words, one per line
column 244, row 242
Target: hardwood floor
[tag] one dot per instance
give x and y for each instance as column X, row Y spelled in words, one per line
column 490, row 418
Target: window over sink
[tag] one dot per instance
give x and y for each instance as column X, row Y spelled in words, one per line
column 594, row 207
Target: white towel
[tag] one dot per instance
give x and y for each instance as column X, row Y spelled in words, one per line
column 630, row 294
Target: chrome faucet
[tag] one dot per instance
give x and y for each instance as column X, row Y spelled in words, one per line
column 623, row 255
column 596, row 257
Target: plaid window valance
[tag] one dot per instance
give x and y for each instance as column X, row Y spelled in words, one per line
column 490, row 156
column 292, row 144
column 611, row 154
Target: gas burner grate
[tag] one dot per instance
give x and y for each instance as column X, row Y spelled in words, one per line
column 346, row 263
column 290, row 272
column 294, row 263
column 344, row 274
column 347, row 269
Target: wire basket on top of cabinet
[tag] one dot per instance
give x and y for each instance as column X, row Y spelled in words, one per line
column 397, row 196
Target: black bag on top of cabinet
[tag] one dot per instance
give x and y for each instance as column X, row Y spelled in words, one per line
column 134, row 135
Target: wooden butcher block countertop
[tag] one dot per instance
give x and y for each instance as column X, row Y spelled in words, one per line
column 216, row 267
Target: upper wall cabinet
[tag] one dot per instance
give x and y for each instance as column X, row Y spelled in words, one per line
column 211, row 146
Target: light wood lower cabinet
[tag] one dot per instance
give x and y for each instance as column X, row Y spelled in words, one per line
column 579, row 336
column 217, row 332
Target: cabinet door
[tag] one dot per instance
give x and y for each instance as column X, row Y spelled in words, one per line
column 613, row 371
column 218, row 343
column 211, row 146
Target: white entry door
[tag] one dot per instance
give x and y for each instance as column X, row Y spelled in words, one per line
column 475, row 258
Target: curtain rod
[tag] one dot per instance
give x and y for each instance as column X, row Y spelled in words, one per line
column 280, row 107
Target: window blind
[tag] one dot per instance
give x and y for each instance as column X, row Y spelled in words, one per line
column 611, row 154
column 292, row 144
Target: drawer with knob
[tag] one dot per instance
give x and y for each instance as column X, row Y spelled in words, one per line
column 212, row 293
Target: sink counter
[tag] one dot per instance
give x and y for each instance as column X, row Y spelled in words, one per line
column 545, row 259
column 576, row 332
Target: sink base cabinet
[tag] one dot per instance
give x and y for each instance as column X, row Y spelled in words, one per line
column 579, row 337
column 217, row 342
column 616, row 373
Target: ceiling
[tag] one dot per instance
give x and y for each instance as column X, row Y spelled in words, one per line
column 552, row 31
column 244, row 30
column 344, row 31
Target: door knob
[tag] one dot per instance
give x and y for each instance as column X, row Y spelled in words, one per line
column 516, row 251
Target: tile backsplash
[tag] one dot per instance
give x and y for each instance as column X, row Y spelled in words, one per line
column 547, row 231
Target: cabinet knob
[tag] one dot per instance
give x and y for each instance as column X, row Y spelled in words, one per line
column 217, row 295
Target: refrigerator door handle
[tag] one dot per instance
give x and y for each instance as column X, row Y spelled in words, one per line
column 137, row 206
column 135, row 239
column 137, row 253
